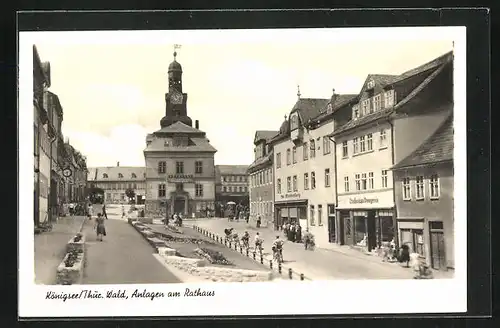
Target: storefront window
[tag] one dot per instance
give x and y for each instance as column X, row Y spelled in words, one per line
column 414, row 238
column 385, row 230
column 360, row 231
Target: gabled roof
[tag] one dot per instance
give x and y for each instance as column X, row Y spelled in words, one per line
column 264, row 135
column 197, row 144
column 436, row 149
column 438, row 65
column 179, row 127
column 97, row 173
column 231, row 169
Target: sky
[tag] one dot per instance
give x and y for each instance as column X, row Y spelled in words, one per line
column 112, row 85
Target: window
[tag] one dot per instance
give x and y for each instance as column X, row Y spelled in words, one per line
column 198, row 167
column 362, row 148
column 229, row 189
column 288, row 158
column 370, row 84
column 162, row 167
column 133, row 176
column 295, row 188
column 241, row 178
column 355, row 111
column 312, row 148
column 135, row 186
column 363, row 181
column 179, row 167
column 326, row 145
column 313, row 180
column 304, row 151
column 345, row 151
column 289, row 184
column 384, row 179
column 369, row 141
column 419, row 187
column 261, row 178
column 311, row 216
column 120, row 175
column 434, row 187
column 383, row 139
column 278, row 186
column 270, row 175
column 377, row 102
column 294, row 123
column 320, row 215
column 246, row 189
column 357, row 179
column 406, row 189
column 294, row 155
column 161, row 190
column 365, row 108
column 240, row 189
column 306, row 181
column 278, row 160
column 104, row 175
column 370, row 180
column 389, row 98
column 346, row 184
column 355, row 146
column 199, row 190
column 327, row 178
column 179, row 186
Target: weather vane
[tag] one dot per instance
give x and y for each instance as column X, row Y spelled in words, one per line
column 298, row 91
column 176, row 46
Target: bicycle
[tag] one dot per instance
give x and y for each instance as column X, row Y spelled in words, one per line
column 278, row 255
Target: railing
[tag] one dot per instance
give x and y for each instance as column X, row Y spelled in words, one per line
column 259, row 257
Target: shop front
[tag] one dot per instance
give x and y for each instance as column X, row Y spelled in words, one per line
column 366, row 220
column 290, row 209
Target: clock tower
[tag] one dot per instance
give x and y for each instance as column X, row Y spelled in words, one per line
column 175, row 100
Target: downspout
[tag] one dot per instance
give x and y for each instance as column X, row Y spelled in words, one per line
column 394, row 215
column 335, row 185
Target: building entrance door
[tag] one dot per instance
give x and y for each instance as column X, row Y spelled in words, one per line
column 348, row 231
column 438, row 258
column 180, row 205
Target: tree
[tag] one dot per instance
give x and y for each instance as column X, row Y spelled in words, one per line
column 130, row 193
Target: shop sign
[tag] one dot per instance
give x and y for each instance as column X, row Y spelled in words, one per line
column 290, row 195
column 363, row 200
column 180, row 178
column 381, row 199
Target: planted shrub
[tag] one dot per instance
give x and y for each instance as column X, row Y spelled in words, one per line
column 212, row 256
column 77, row 238
column 72, row 258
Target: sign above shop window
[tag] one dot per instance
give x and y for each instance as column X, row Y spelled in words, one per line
column 359, row 213
column 290, row 195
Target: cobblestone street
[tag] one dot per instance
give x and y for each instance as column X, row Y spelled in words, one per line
column 319, row 264
column 123, row 257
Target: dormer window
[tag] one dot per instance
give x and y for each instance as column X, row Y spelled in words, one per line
column 120, row 175
column 329, row 108
column 355, row 111
column 294, row 123
column 104, row 176
column 134, row 176
column 370, row 85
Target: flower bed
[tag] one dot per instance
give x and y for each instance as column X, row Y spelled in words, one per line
column 214, row 257
column 76, row 243
column 70, row 271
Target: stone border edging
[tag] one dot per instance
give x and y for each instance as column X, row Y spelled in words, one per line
column 290, row 272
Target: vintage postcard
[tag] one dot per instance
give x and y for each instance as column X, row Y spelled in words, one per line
column 230, row 172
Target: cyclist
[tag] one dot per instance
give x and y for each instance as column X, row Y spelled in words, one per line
column 258, row 242
column 278, row 249
column 245, row 238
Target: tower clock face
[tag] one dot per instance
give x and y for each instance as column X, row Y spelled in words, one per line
column 176, row 98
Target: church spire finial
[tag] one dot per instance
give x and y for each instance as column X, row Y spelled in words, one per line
column 298, row 91
column 176, row 46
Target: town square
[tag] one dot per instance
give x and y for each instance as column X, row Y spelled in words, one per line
column 332, row 163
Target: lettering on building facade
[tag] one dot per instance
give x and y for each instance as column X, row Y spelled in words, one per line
column 290, row 195
column 363, row 200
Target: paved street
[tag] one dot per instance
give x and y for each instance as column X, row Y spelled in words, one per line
column 50, row 248
column 319, row 264
column 123, row 257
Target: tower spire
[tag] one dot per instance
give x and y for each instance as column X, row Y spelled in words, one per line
column 298, row 91
column 176, row 46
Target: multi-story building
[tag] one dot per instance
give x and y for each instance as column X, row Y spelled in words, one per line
column 231, row 184
column 115, row 180
column 304, row 170
column 367, row 137
column 44, row 133
column 180, row 173
column 424, row 198
column 260, row 173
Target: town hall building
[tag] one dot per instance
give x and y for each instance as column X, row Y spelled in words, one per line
column 180, row 173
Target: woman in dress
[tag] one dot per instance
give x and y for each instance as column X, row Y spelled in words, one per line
column 99, row 227
column 90, row 211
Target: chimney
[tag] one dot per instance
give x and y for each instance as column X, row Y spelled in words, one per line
column 334, row 97
column 197, row 124
column 117, row 164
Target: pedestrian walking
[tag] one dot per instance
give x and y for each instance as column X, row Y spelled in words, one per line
column 123, row 211
column 298, row 234
column 292, row 233
column 99, row 226
column 90, row 211
column 71, row 209
column 258, row 221
column 104, row 211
